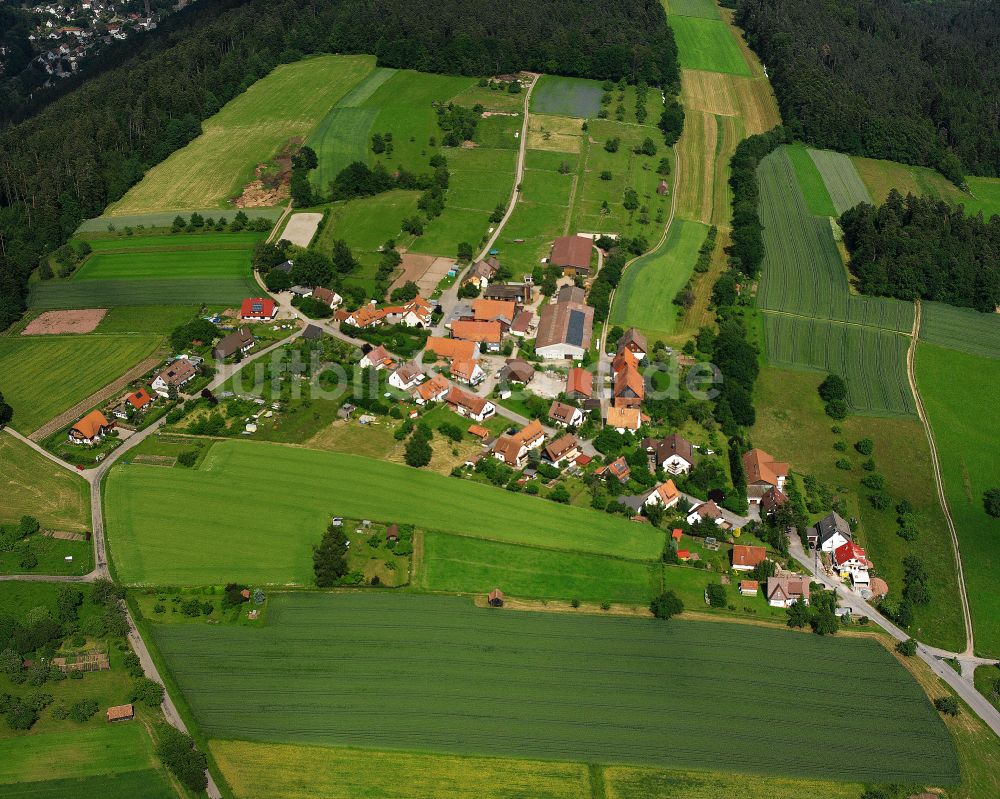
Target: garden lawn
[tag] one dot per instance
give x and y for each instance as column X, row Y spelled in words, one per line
column 792, row 426
column 266, row 534
column 283, row 771
column 707, row 44
column 45, row 375
column 249, row 130
column 475, row 566
column 645, row 297
column 567, row 687
column 34, row 486
column 959, row 392
column 569, row 97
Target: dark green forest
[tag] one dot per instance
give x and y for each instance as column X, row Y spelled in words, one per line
column 920, row 247
column 904, row 81
column 87, row 148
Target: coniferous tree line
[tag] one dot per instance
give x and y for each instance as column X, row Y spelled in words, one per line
column 921, row 247
column 88, row 147
column 910, row 82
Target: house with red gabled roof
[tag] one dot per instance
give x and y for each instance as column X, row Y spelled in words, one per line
column 258, row 309
column 747, row 558
column 414, row 313
column 377, row 358
column 580, row 383
column 706, row 512
column 502, row 311
column 617, row 469
column 572, row 255
column 665, row 495
column 90, row 429
column 366, row 316
column 467, row 371
column 406, row 376
column 565, row 415
column 469, row 405
column 452, row 349
column 763, row 473
column 487, row 334
column 851, row 562
column 676, row 535
column 783, row 592
column 749, row 587
column 773, row 499
column 133, row 403
column 633, row 341
column 433, row 390
column 561, row 450
column 622, row 419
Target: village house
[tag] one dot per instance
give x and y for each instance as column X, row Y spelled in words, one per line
column 482, row 272
column 301, row 291
column 452, row 349
column 133, row 403
column 258, row 309
column 175, row 374
column 622, row 419
column 469, row 405
column 618, row 469
column 633, row 341
column 516, row 370
column 90, row 429
column 851, row 562
column 783, row 592
column 377, row 358
column 487, row 334
column 674, row 454
column 406, row 376
column 572, row 255
column 328, row 297
column 747, row 558
column 417, row 312
column 562, row 450
column 467, row 371
column 240, row 340
column 523, row 324
column 706, row 511
column 772, row 500
column 564, row 328
column 565, row 415
column 367, row 315
column 664, row 495
column 629, row 387
column 763, row 473
column 579, row 383
column 433, row 390
column 830, row 533
column 520, row 293
column 502, row 311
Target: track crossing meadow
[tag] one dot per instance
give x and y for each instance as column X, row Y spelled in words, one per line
column 555, row 687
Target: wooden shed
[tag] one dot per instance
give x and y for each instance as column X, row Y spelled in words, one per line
column 121, row 713
column 392, row 533
column 495, row 598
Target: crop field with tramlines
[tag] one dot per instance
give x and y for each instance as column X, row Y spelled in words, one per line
column 873, row 361
column 960, row 329
column 335, row 668
column 802, row 271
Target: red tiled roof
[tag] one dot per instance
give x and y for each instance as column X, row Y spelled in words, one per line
column 139, row 399
column 572, row 251
column 744, row 555
column 257, row 308
column 580, row 381
column 91, row 424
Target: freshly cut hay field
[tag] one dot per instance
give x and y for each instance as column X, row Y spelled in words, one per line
column 708, row 44
column 568, row 97
column 810, row 181
column 305, row 488
column 758, row 106
column 882, row 176
column 873, row 361
column 645, row 297
column 42, row 376
column 148, row 784
column 218, row 291
column 185, row 264
column 696, row 164
column 791, row 420
column 475, row 566
column 961, row 329
column 705, row 9
column 713, row 92
column 281, row 771
column 841, row 178
column 567, row 687
column 249, row 130
column 802, row 272
column 89, row 751
column 959, row 392
column 34, row 486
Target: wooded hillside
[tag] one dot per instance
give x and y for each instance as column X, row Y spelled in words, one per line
column 910, row 82
column 87, row 148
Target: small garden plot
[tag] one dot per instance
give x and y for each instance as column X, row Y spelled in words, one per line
column 569, row 97
column 42, row 552
column 379, row 553
column 707, row 44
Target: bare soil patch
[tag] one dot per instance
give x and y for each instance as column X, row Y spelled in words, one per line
column 63, row 535
column 272, row 181
column 301, row 228
column 53, row 323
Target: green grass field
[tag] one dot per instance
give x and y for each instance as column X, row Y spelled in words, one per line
column 707, row 44
column 841, row 178
column 46, row 375
column 367, row 222
column 32, row 485
column 985, row 196
column 807, row 173
column 959, row 394
column 249, row 130
column 208, row 264
column 960, row 329
column 873, row 361
column 61, row 295
column 568, row 97
column 146, row 319
column 164, row 219
column 986, row 678
column 792, row 425
column 561, row 686
column 705, row 9
column 302, row 490
column 173, row 242
column 645, row 298
column 630, row 782
column 147, row 783
column 475, row 566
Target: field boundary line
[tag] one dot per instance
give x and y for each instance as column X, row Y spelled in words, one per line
column 96, row 398
column 938, row 479
column 902, row 333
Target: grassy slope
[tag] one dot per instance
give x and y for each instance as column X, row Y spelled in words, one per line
column 707, row 44
column 30, row 484
column 959, row 394
column 249, row 130
column 986, row 677
column 810, row 181
column 48, row 374
column 566, row 692
column 792, row 426
column 86, row 752
column 470, row 565
column 841, row 179
column 645, row 297
column 264, row 532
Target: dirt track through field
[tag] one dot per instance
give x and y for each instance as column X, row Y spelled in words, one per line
column 96, row 398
